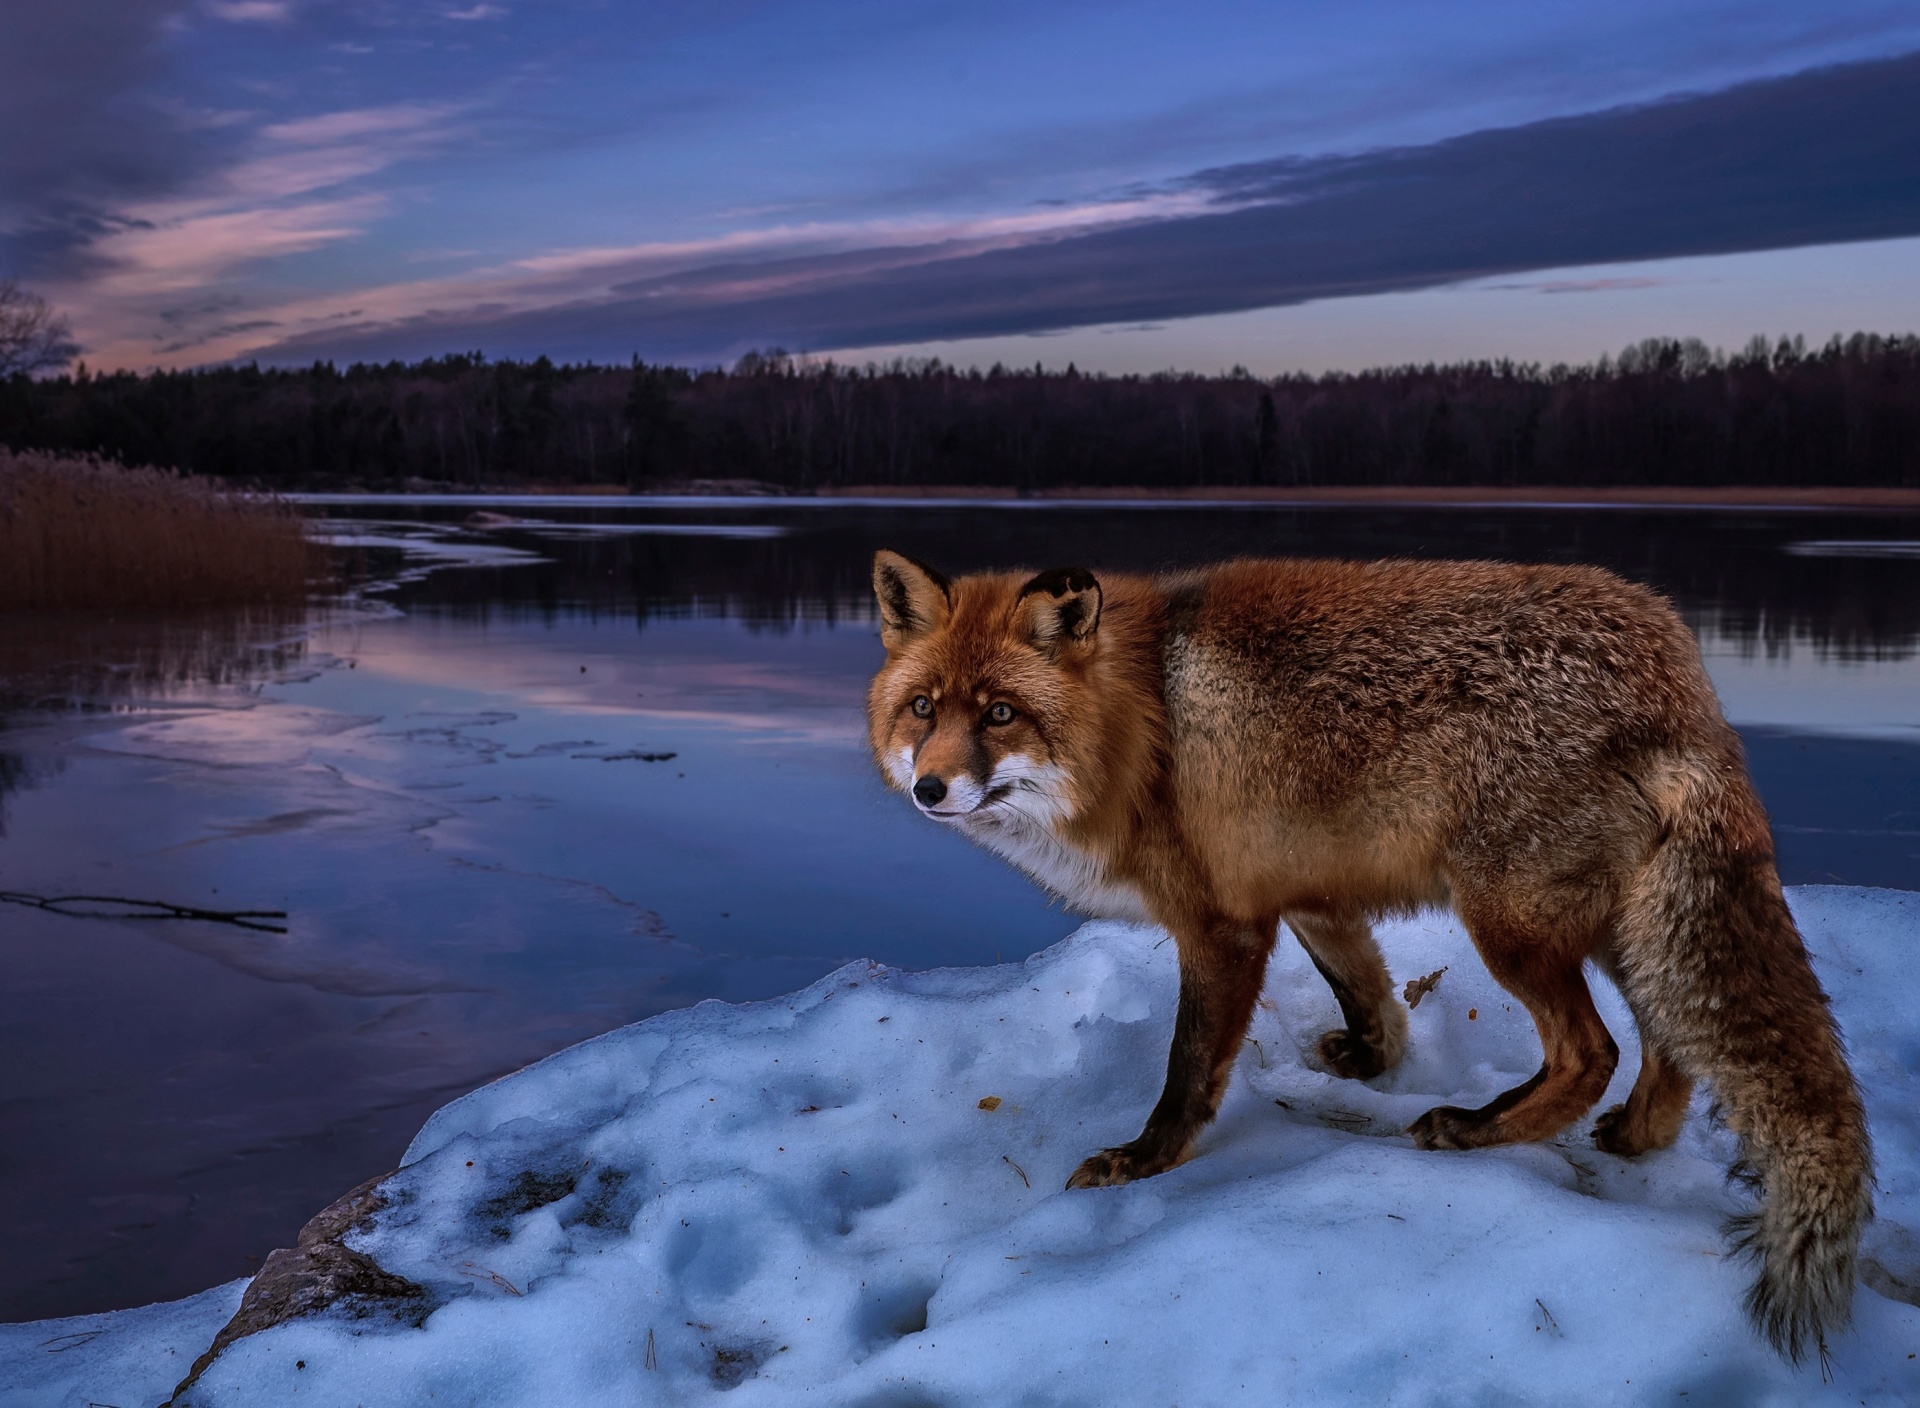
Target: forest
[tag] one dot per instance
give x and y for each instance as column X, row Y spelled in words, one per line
column 1664, row 412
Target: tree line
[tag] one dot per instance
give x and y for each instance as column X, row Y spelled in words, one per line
column 1665, row 411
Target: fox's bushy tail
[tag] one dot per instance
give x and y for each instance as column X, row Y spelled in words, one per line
column 1717, row 974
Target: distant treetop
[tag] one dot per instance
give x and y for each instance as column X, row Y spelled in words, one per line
column 1663, row 411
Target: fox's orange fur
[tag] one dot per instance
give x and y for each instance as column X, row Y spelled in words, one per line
column 1326, row 742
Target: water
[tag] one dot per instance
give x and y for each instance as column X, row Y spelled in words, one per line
column 460, row 791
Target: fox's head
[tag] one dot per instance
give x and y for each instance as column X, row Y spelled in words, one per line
column 980, row 713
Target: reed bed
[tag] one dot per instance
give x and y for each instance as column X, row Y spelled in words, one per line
column 83, row 532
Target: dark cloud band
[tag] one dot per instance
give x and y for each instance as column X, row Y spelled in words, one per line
column 1824, row 156
column 81, row 136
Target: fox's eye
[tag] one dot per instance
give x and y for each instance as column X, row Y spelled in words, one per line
column 1000, row 714
column 922, row 707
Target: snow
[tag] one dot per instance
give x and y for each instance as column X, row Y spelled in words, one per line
column 128, row 1357
column 803, row 1200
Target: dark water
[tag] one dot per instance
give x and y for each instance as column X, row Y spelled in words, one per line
column 458, row 790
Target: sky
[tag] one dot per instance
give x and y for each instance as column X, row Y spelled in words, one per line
column 1128, row 187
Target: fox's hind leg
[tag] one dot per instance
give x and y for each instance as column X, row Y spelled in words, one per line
column 1222, row 964
column 1543, row 971
column 1652, row 1115
column 1375, row 1037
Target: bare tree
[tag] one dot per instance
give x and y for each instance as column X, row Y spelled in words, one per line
column 33, row 338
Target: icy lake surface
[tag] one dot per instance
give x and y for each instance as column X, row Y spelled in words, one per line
column 575, row 770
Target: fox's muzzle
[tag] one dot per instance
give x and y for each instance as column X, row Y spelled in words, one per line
column 948, row 797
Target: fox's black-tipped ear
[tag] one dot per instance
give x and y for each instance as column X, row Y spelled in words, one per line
column 914, row 599
column 1060, row 605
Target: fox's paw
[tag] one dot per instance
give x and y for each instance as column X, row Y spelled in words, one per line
column 1450, row 1127
column 1618, row 1132
column 1348, row 1055
column 1613, row 1134
column 1122, row 1164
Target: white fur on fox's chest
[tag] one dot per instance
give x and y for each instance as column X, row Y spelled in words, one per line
column 1073, row 876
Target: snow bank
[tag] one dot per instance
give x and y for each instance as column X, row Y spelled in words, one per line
column 807, row 1200
column 124, row 1359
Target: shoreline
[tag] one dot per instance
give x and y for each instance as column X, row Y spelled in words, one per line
column 738, row 494
column 1518, row 496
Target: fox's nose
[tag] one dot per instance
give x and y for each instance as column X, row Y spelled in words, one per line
column 929, row 790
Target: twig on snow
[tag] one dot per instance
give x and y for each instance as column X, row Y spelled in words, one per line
column 480, row 1273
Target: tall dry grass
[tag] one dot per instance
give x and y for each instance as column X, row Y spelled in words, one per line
column 81, row 532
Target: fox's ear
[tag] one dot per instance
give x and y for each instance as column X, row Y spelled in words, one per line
column 914, row 599
column 1059, row 606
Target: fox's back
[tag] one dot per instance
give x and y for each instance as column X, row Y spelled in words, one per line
column 1383, row 709
column 1369, row 670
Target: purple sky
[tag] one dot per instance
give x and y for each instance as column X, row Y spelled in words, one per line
column 1128, row 186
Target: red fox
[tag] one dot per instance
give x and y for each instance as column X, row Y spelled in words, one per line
column 1326, row 743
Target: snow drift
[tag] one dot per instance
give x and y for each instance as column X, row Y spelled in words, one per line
column 853, row 1196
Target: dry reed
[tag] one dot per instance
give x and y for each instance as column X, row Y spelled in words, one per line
column 82, row 532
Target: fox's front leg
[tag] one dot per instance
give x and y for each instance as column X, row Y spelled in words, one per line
column 1222, row 966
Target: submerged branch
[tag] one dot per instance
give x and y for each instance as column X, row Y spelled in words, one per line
column 144, row 909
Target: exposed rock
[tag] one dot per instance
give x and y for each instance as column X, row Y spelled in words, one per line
column 321, row 1272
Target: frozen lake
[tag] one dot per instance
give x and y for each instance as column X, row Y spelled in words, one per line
column 570, row 771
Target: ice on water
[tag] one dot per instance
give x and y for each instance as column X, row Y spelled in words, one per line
column 803, row 1200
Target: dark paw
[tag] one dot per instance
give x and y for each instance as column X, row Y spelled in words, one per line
column 1614, row 1133
column 1450, row 1127
column 1123, row 1164
column 1348, row 1055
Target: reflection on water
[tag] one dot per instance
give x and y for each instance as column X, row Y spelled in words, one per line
column 79, row 660
column 18, row 771
column 584, row 773
column 1768, row 578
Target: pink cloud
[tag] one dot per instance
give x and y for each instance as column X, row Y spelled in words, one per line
column 251, row 11
column 793, row 253
column 358, row 124
column 198, row 248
